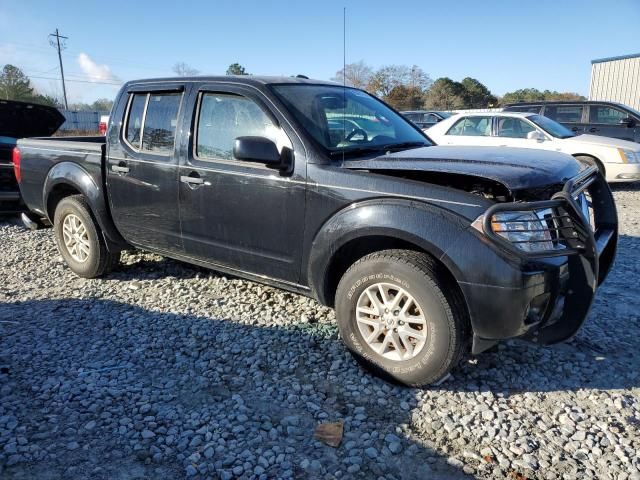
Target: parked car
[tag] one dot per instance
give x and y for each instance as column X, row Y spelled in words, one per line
column 17, row 120
column 425, row 252
column 102, row 126
column 607, row 119
column 426, row 118
column 618, row 160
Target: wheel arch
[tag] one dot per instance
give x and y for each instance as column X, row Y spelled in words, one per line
column 68, row 178
column 596, row 160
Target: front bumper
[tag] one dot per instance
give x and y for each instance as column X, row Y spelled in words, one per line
column 622, row 172
column 554, row 290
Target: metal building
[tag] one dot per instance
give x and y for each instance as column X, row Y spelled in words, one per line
column 616, row 79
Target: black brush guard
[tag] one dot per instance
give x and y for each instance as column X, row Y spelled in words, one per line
column 589, row 248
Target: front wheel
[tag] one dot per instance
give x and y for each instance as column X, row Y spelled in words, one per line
column 398, row 318
column 79, row 239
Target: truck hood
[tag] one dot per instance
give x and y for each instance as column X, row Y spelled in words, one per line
column 603, row 141
column 22, row 119
column 515, row 168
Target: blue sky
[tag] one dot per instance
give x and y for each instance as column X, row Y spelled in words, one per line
column 504, row 44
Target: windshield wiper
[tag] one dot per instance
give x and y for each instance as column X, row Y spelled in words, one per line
column 357, row 151
column 405, row 145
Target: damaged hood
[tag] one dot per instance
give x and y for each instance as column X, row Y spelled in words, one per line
column 515, row 168
column 22, row 119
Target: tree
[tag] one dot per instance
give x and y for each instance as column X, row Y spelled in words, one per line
column 386, row 78
column 356, row 74
column 477, row 95
column 445, row 94
column 184, row 70
column 404, row 97
column 15, row 85
column 236, row 69
column 535, row 95
column 102, row 105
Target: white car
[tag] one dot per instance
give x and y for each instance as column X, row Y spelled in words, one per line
column 618, row 160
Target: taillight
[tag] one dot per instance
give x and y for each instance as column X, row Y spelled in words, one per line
column 102, row 128
column 15, row 158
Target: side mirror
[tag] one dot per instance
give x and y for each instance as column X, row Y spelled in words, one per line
column 536, row 135
column 258, row 150
column 628, row 121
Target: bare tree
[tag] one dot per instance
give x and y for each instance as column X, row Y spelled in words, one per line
column 355, row 74
column 184, row 70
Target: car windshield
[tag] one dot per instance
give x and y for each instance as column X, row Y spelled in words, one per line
column 346, row 121
column 551, row 126
column 445, row 114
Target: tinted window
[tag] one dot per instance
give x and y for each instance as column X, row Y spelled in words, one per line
column 564, row 113
column 513, row 127
column 472, row 127
column 134, row 123
column 223, row 118
column 609, row 115
column 551, row 127
column 160, row 123
column 524, row 108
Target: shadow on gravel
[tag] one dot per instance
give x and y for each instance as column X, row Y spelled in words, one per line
column 99, row 389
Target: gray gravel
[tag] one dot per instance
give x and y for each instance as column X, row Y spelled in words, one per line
column 164, row 370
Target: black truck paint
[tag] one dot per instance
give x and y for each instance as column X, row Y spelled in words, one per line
column 301, row 226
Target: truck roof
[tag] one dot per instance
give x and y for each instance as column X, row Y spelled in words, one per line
column 254, row 80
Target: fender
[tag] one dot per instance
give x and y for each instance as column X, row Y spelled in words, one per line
column 73, row 175
column 429, row 227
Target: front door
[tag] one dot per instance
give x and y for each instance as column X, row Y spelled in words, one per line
column 142, row 171
column 234, row 213
column 610, row 122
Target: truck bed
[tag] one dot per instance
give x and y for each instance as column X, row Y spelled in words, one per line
column 42, row 154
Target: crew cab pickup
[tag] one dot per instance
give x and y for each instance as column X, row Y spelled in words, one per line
column 427, row 253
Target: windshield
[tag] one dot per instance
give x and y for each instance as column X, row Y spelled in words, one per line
column 348, row 121
column 551, row 126
column 446, row 114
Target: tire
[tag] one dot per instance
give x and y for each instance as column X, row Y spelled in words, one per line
column 593, row 161
column 443, row 316
column 83, row 249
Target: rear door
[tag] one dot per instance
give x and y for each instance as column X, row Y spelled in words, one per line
column 142, row 169
column 571, row 116
column 609, row 121
column 239, row 214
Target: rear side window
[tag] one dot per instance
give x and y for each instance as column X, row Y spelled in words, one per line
column 607, row 115
column 564, row 113
column 472, row 127
column 225, row 117
column 524, row 108
column 151, row 122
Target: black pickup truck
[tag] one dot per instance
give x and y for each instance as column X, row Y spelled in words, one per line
column 426, row 253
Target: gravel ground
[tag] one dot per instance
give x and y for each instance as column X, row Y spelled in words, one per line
column 163, row 370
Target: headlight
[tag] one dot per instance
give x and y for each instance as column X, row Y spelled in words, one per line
column 524, row 229
column 629, row 156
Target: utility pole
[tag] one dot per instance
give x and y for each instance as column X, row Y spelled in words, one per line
column 56, row 43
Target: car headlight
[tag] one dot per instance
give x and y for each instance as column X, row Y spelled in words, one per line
column 629, row 156
column 525, row 230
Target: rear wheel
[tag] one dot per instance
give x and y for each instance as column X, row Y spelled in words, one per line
column 80, row 240
column 397, row 320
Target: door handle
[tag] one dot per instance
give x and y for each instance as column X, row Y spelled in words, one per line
column 192, row 179
column 575, row 129
column 594, row 129
column 120, row 168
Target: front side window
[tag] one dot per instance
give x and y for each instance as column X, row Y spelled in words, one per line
column 225, row 117
column 564, row 113
column 348, row 121
column 524, row 109
column 509, row 127
column 606, row 115
column 153, row 130
column 472, row 127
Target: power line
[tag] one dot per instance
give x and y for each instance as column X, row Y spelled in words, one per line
column 77, row 81
column 57, row 45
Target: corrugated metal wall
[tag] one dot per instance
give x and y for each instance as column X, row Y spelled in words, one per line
column 81, row 121
column 617, row 80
